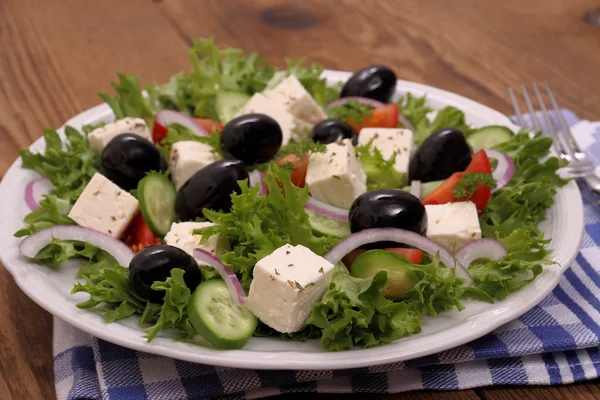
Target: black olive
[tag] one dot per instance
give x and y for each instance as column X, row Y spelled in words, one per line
column 211, row 188
column 127, row 158
column 387, row 208
column 252, row 138
column 375, row 82
column 439, row 156
column 333, row 130
column 154, row 264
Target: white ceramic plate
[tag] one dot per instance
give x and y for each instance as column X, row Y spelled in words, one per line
column 50, row 289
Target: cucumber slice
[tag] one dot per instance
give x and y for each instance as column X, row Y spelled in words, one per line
column 156, row 194
column 328, row 226
column 426, row 188
column 489, row 136
column 228, row 104
column 399, row 277
column 217, row 318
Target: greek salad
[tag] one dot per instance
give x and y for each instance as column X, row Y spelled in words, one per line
column 241, row 199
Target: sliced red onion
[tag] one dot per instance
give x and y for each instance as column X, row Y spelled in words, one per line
column 168, row 117
column 327, row 210
column 405, row 122
column 35, row 191
column 361, row 100
column 258, row 178
column 415, row 189
column 231, row 280
column 480, row 248
column 31, row 245
column 504, row 170
column 413, row 239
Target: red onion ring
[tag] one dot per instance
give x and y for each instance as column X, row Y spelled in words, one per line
column 504, row 170
column 327, row 210
column 361, row 100
column 480, row 248
column 368, row 236
column 415, row 189
column 168, row 117
column 35, row 191
column 31, row 245
column 258, row 178
column 231, row 280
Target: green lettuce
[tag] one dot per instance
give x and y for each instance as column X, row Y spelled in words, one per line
column 380, row 172
column 178, row 133
column 354, row 312
column 69, row 166
column 258, row 225
column 129, row 101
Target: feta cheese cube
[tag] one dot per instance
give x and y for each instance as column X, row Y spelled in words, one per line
column 188, row 157
column 335, row 177
column 452, row 225
column 181, row 235
column 291, row 127
column 104, row 206
column 390, row 141
column 99, row 137
column 296, row 100
column 286, row 285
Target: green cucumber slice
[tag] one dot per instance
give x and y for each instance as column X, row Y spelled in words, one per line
column 327, row 226
column 489, row 136
column 217, row 318
column 228, row 104
column 156, row 194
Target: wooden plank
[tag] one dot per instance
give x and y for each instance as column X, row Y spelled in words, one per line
column 424, row 41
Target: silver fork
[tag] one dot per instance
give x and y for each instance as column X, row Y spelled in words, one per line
column 563, row 143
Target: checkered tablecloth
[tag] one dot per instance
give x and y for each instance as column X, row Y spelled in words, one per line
column 557, row 342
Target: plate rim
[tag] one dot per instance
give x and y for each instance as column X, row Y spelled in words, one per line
column 301, row 361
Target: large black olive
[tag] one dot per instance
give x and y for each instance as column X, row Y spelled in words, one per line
column 375, row 82
column 127, row 158
column 439, row 156
column 211, row 188
column 333, row 130
column 154, row 264
column 252, row 138
column 387, row 208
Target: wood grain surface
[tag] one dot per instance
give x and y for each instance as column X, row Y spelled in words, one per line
column 55, row 55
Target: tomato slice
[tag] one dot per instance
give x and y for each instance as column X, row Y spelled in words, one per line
column 159, row 132
column 209, row 125
column 415, row 256
column 443, row 194
column 139, row 235
column 382, row 117
column 299, row 165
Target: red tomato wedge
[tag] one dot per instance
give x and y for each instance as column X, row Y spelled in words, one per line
column 159, row 132
column 139, row 235
column 443, row 194
column 209, row 125
column 382, row 117
column 300, row 166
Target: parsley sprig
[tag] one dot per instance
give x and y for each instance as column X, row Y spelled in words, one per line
column 352, row 112
column 471, row 182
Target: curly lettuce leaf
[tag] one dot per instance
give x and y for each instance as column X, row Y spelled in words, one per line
column 416, row 109
column 354, row 312
column 69, row 166
column 129, row 100
column 178, row 133
column 258, row 225
column 380, row 172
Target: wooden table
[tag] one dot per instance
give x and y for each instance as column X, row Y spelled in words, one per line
column 56, row 54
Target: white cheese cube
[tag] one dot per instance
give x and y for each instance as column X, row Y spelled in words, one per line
column 104, row 206
column 390, row 142
column 296, row 100
column 452, row 225
column 182, row 236
column 188, row 157
column 99, row 137
column 286, row 285
column 335, row 177
column 291, row 127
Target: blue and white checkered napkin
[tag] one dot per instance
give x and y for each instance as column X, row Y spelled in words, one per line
column 558, row 341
